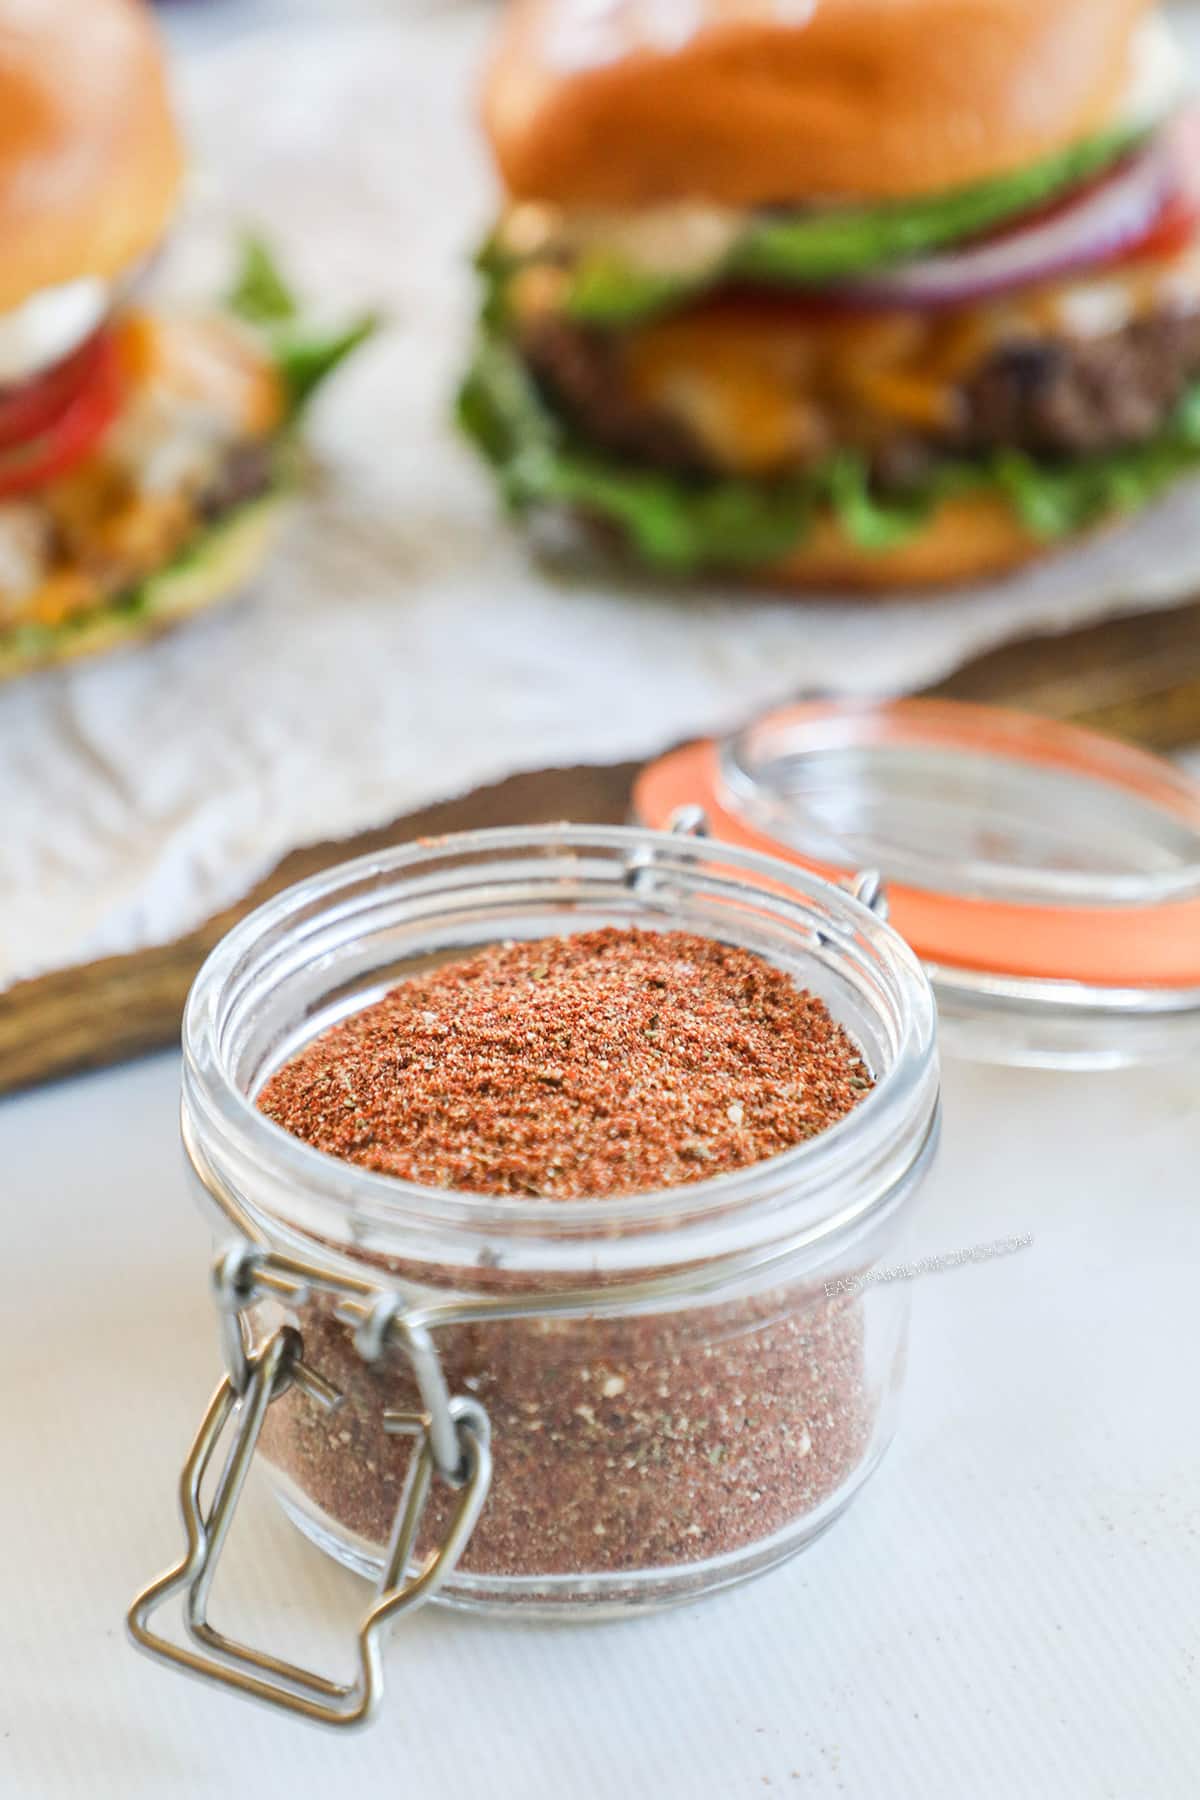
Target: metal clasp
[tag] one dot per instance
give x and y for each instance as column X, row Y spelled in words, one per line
column 684, row 822
column 454, row 1435
column 868, row 889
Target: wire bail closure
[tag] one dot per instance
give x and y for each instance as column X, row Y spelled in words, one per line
column 454, row 1443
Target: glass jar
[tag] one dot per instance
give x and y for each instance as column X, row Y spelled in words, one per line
column 681, row 1388
column 1047, row 876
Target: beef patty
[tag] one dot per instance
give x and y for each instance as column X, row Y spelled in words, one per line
column 1071, row 398
column 1052, row 398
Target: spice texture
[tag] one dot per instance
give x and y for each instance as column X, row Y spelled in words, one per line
column 618, row 1444
column 609, row 1062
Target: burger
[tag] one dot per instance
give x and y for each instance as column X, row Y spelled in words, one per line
column 143, row 457
column 858, row 293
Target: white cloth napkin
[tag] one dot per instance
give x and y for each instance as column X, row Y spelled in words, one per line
column 404, row 646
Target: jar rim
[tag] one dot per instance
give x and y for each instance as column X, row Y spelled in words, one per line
column 883, row 1136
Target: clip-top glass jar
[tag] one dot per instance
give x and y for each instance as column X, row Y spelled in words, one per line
column 676, row 1390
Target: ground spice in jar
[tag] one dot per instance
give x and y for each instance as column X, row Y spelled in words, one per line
column 604, row 1063
column 611, row 1062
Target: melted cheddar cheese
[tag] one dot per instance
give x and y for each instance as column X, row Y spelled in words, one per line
column 764, row 382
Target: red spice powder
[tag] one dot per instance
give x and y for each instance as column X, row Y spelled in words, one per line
column 600, row 1064
column 618, row 1444
column 610, row 1062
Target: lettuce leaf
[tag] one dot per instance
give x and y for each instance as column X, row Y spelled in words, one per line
column 259, row 294
column 671, row 523
column 681, row 524
column 801, row 249
column 304, row 355
column 823, row 246
column 305, row 359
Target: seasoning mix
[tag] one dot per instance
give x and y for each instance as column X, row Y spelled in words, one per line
column 564, row 1138
column 609, row 1062
column 606, row 1063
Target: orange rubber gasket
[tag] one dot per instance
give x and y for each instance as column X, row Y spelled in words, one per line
column 1106, row 947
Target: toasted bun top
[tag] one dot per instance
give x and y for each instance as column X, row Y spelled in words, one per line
column 89, row 158
column 621, row 103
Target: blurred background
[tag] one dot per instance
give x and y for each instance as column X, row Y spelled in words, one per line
column 403, row 661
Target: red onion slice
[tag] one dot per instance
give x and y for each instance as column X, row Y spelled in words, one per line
column 1104, row 221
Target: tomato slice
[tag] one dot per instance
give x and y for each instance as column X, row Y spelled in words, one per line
column 1177, row 226
column 49, row 425
column 27, row 409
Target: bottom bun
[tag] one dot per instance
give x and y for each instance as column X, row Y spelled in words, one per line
column 215, row 568
column 966, row 539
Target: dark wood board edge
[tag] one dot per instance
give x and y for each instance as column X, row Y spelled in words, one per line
column 122, row 1006
column 1137, row 677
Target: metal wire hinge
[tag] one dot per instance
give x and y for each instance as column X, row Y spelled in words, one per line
column 454, row 1444
column 869, row 890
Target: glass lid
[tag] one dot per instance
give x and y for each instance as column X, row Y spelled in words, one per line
column 1048, row 876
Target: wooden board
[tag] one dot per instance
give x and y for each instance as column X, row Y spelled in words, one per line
column 1138, row 678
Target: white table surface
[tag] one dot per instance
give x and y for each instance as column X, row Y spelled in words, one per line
column 1010, row 1611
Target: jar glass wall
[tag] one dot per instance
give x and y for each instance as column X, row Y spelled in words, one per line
column 683, row 1387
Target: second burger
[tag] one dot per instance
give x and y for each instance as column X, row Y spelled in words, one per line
column 855, row 293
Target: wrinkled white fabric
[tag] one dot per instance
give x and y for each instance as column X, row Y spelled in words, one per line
column 404, row 645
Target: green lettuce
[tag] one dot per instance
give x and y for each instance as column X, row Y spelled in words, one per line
column 682, row 524
column 304, row 356
column 799, row 249
column 259, row 293
column 823, row 246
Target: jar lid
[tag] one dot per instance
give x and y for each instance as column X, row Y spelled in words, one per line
column 1048, row 876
